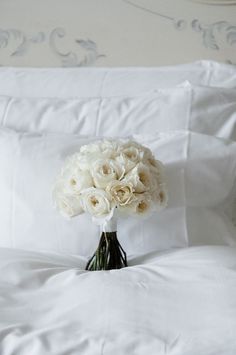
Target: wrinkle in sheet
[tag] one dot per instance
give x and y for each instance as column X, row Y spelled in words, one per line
column 6, row 110
column 184, row 172
column 112, row 312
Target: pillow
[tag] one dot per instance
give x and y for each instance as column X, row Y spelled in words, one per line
column 213, row 111
column 162, row 110
column 87, row 82
column 205, row 110
column 200, row 172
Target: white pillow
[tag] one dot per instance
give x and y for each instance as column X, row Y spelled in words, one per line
column 213, row 111
column 87, row 82
column 205, row 110
column 163, row 110
column 200, row 172
column 200, row 109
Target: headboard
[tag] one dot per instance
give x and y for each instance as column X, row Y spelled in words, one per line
column 52, row 33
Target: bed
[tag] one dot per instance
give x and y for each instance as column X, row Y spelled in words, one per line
column 178, row 294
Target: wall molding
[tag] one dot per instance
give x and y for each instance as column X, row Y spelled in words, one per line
column 215, row 2
column 210, row 32
column 18, row 43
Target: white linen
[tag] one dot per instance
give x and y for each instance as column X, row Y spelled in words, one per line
column 200, row 109
column 200, row 173
column 160, row 111
column 213, row 111
column 90, row 82
column 178, row 303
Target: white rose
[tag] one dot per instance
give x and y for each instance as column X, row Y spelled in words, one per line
column 75, row 180
column 76, row 161
column 85, row 161
column 131, row 154
column 122, row 192
column 96, row 202
column 68, row 205
column 157, row 169
column 126, row 163
column 140, row 177
column 104, row 171
column 102, row 149
column 160, row 197
column 133, row 150
column 110, row 148
column 147, row 154
column 159, row 187
column 91, row 148
column 141, row 206
column 150, row 160
column 155, row 183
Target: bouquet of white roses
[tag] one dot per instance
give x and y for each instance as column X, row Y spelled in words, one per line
column 110, row 178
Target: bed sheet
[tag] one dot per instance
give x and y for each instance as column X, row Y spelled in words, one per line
column 179, row 302
column 90, row 82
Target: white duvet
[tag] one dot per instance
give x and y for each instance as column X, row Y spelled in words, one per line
column 181, row 302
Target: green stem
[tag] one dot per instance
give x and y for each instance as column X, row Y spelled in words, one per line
column 109, row 254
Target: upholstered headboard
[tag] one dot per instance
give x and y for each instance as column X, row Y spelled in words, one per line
column 116, row 32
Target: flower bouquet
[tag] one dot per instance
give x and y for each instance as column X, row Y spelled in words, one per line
column 110, row 179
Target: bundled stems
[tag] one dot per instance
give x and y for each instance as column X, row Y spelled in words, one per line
column 109, row 254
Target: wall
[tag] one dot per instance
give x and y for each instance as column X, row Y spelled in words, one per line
column 116, row 32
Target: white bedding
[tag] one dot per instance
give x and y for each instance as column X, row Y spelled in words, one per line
column 201, row 109
column 181, row 302
column 175, row 302
column 91, row 82
column 200, row 172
